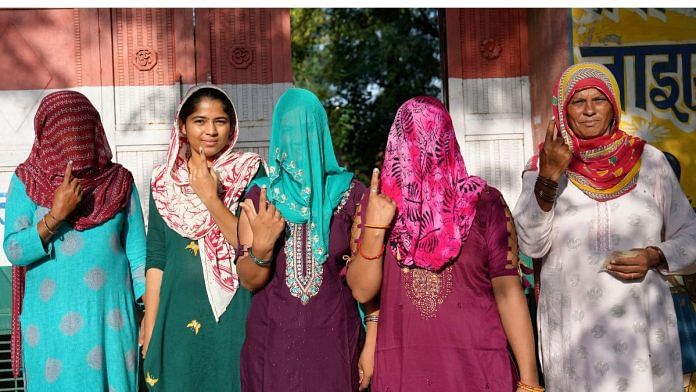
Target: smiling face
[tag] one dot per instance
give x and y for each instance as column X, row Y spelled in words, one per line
column 590, row 113
column 208, row 126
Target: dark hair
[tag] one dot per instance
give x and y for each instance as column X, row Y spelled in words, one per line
column 674, row 162
column 214, row 94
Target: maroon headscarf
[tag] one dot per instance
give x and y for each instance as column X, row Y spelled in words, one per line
column 424, row 173
column 68, row 127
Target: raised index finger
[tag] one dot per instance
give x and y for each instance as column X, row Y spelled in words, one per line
column 374, row 182
column 550, row 131
column 202, row 159
column 263, row 200
column 68, row 173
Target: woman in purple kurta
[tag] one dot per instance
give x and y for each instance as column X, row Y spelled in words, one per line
column 303, row 330
column 284, row 335
column 451, row 299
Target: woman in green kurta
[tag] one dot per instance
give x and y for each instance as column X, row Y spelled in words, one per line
column 195, row 307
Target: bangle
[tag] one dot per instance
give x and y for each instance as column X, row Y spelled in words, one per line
column 257, row 261
column 661, row 255
column 52, row 217
column 546, row 189
column 371, row 318
column 529, row 388
column 545, row 196
column 544, row 192
column 548, row 182
column 376, row 227
column 46, row 226
column 381, row 252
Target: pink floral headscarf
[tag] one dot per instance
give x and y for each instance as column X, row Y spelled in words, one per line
column 424, row 173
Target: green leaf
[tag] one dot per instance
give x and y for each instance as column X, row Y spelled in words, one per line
column 363, row 64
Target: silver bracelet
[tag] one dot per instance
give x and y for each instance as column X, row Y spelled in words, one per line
column 257, row 261
column 371, row 318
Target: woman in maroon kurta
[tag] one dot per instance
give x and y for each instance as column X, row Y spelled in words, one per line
column 451, row 300
column 432, row 323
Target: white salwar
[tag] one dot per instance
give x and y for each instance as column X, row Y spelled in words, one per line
column 596, row 332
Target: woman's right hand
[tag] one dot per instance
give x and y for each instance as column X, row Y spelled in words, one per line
column 266, row 225
column 555, row 157
column 67, row 196
column 143, row 337
column 145, row 334
column 153, row 282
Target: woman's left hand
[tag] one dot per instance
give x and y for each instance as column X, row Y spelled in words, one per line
column 634, row 264
column 203, row 179
column 366, row 365
column 380, row 208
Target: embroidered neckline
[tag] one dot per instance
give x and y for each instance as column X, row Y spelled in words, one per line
column 302, row 278
column 303, row 274
column 427, row 290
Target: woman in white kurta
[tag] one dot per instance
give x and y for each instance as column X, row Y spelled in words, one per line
column 596, row 191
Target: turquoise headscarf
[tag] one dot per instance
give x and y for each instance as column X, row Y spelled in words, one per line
column 304, row 179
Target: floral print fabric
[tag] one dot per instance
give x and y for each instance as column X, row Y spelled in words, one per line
column 424, row 173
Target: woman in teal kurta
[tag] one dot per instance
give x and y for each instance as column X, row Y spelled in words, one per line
column 82, row 280
column 195, row 308
column 78, row 318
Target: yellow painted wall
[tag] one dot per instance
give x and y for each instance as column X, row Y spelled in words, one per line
column 652, row 53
